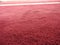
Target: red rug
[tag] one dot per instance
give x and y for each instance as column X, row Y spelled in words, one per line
column 30, row 25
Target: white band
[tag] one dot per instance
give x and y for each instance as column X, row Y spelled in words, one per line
column 29, row 3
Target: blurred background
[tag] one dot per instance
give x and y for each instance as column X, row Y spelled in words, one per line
column 28, row 0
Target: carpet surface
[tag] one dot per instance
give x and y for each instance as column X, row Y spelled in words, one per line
column 30, row 25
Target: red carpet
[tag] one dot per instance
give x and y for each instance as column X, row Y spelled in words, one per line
column 30, row 25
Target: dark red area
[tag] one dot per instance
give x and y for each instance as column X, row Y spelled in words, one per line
column 30, row 25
